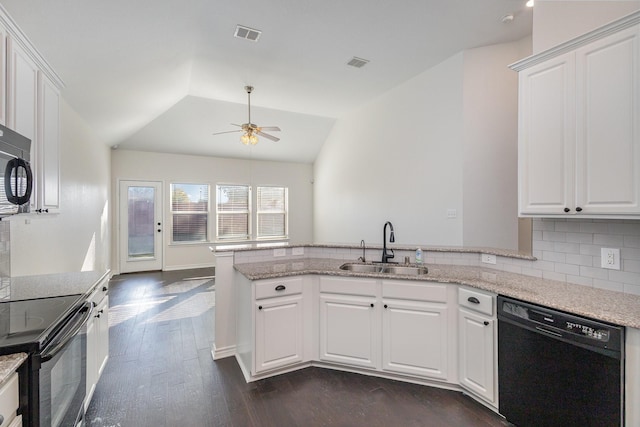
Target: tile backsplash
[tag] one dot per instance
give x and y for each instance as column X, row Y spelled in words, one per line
column 569, row 250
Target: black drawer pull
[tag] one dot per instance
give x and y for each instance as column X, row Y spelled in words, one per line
column 567, row 210
column 578, row 209
column 371, row 304
column 385, row 306
column 486, row 323
column 281, row 288
column 105, row 289
column 473, row 300
column 259, row 307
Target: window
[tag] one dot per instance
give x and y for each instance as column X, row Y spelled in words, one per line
column 189, row 212
column 233, row 212
column 272, row 212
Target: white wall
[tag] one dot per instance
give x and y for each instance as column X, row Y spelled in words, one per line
column 78, row 238
column 397, row 159
column 446, row 139
column 171, row 168
column 556, row 21
column 490, row 186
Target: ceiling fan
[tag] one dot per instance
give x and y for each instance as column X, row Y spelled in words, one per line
column 251, row 130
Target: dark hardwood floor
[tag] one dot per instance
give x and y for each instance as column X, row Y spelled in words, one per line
column 160, row 373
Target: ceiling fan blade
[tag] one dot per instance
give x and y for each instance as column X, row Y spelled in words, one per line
column 229, row 131
column 233, row 124
column 266, row 135
column 270, row 128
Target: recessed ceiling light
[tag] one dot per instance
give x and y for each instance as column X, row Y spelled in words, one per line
column 358, row 62
column 529, row 3
column 247, row 33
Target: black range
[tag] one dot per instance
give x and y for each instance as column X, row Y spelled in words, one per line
column 45, row 317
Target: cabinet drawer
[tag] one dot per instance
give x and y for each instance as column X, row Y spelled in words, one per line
column 278, row 288
column 474, row 299
column 417, row 291
column 9, row 398
column 348, row 286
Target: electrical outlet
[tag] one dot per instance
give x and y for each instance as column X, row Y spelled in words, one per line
column 489, row 259
column 452, row 213
column 297, row 251
column 610, row 258
column 279, row 252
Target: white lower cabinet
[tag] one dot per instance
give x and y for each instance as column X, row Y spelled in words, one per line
column 274, row 327
column 415, row 330
column 97, row 339
column 349, row 325
column 477, row 327
column 348, row 330
column 9, row 401
column 279, row 337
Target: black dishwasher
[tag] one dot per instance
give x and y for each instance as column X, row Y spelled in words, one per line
column 558, row 369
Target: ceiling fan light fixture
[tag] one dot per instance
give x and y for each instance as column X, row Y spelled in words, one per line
column 249, row 139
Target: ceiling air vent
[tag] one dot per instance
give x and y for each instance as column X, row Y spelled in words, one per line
column 358, row 62
column 247, row 33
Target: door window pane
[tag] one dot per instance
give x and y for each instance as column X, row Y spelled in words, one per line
column 141, row 204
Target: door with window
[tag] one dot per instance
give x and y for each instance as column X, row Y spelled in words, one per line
column 140, row 226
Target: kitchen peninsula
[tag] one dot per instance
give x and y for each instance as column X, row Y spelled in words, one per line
column 314, row 288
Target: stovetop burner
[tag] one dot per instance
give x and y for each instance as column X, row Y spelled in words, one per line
column 25, row 325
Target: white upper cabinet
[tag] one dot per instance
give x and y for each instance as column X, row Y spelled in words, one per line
column 48, row 155
column 579, row 126
column 30, row 105
column 608, row 124
column 3, row 75
column 22, row 93
column 546, row 136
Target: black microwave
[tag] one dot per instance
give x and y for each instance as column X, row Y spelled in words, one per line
column 16, row 184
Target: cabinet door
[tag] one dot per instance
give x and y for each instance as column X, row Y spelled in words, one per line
column 414, row 338
column 546, row 137
column 608, row 124
column 102, row 325
column 92, row 359
column 278, row 333
column 476, row 340
column 3, row 75
column 348, row 330
column 22, row 91
column 48, row 173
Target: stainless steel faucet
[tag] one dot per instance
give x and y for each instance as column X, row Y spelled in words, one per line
column 362, row 245
column 392, row 238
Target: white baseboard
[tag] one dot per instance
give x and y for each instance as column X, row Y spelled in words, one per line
column 221, row 353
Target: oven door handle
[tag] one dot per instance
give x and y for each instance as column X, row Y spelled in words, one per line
column 50, row 351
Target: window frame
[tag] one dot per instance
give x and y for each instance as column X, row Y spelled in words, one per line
column 248, row 212
column 206, row 214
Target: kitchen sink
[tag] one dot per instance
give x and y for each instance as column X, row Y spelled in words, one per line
column 403, row 270
column 362, row 268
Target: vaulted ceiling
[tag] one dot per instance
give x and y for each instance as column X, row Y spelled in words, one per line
column 163, row 75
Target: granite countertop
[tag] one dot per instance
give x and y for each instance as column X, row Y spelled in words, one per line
column 609, row 306
column 9, row 364
column 49, row 285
